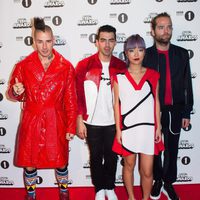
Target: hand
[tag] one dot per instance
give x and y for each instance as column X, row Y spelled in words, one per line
column 158, row 135
column 18, row 87
column 69, row 136
column 185, row 123
column 81, row 128
column 119, row 136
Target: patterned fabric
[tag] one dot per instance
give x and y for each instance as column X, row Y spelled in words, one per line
column 30, row 178
column 62, row 178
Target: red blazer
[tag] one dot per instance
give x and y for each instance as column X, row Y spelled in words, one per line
column 49, row 112
column 90, row 68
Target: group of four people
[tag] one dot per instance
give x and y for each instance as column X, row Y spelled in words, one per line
column 114, row 105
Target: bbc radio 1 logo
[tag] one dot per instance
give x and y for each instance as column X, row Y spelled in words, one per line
column 189, row 15
column 57, row 20
column 191, row 53
column 186, row 160
column 1, row 97
column 185, row 144
column 87, row 20
column 5, row 181
column 4, row 164
column 187, row 36
column 26, row 3
column 119, row 2
column 28, row 41
column 189, row 128
column 2, row 131
column 148, row 19
column 184, row 177
column 1, row 44
column 123, row 18
column 22, row 23
column 54, row 4
column 92, row 2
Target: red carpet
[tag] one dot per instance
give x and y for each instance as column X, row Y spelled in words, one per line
column 186, row 192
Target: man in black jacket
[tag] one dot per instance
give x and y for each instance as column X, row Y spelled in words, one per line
column 176, row 100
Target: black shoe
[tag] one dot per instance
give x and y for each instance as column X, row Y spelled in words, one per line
column 156, row 190
column 170, row 192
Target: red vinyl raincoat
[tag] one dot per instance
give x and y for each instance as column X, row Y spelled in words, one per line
column 49, row 111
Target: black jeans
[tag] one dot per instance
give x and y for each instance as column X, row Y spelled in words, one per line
column 167, row 170
column 103, row 161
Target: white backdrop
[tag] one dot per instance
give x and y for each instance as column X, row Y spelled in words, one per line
column 75, row 23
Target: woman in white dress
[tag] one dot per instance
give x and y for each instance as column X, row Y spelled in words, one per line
column 137, row 116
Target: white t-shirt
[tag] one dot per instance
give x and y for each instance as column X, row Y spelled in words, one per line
column 104, row 114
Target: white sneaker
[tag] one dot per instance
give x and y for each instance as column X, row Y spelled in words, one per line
column 100, row 195
column 111, row 195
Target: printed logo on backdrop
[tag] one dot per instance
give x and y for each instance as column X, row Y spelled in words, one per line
column 186, row 1
column 86, row 165
column 119, row 179
column 1, row 97
column 121, row 56
column 159, row 0
column 39, row 180
column 92, row 2
column 92, row 38
column 185, row 144
column 28, row 41
column 119, row 2
column 2, row 131
column 148, row 19
column 1, row 44
column 5, row 164
column 54, row 3
column 187, row 36
column 2, row 81
column 3, row 116
column 188, row 128
column 6, row 181
column 186, row 160
column 193, row 75
column 189, row 15
column 57, row 20
column 59, row 41
column 4, row 149
column 184, row 177
column 191, row 53
column 123, row 18
column 87, row 20
column 22, row 23
column 121, row 37
column 26, row 3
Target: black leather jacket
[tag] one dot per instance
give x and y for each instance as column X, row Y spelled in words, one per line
column 182, row 95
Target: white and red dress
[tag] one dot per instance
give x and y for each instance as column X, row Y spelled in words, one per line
column 137, row 110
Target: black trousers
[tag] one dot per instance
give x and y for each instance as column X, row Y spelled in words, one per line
column 171, row 127
column 103, row 161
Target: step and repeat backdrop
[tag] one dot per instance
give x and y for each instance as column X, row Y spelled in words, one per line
column 75, row 23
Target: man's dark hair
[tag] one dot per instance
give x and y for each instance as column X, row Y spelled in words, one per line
column 106, row 28
column 40, row 25
column 153, row 21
